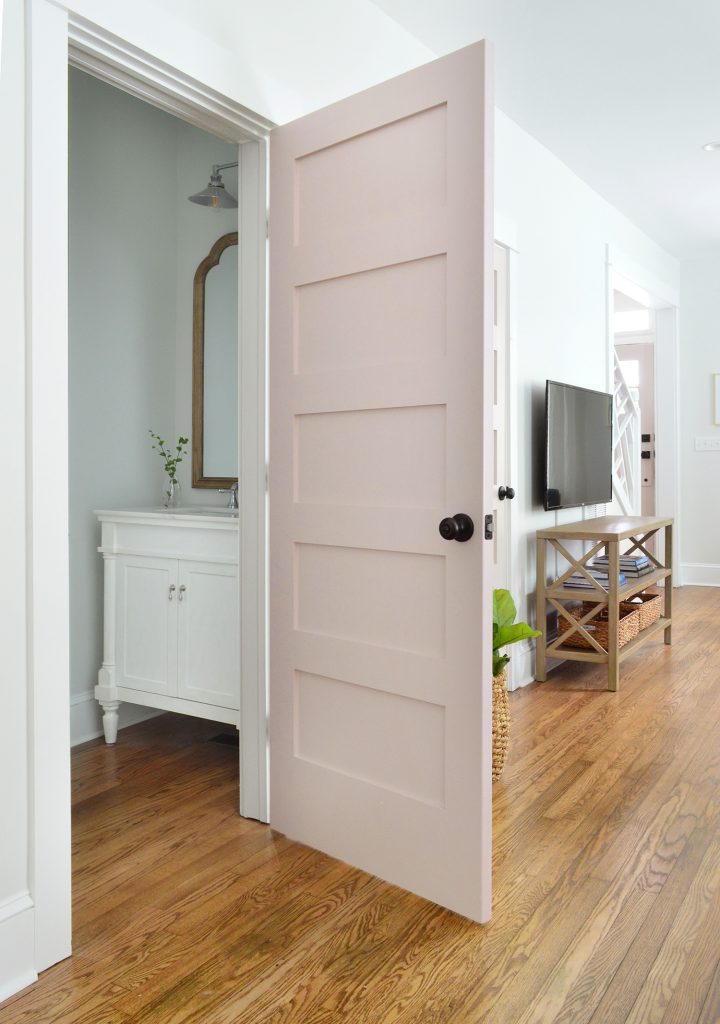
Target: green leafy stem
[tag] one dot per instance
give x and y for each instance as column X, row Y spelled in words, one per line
column 171, row 460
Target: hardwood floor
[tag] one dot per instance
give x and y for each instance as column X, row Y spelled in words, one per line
column 607, row 876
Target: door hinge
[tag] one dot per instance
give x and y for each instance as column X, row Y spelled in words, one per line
column 489, row 526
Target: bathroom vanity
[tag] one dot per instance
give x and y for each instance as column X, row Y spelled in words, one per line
column 172, row 617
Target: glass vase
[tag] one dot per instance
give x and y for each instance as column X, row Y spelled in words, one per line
column 172, row 494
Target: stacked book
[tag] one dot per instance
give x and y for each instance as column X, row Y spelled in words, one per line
column 632, row 566
column 579, row 582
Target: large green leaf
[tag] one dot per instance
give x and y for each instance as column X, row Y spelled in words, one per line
column 504, row 610
column 506, row 635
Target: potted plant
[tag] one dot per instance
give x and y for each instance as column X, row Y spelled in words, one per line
column 171, row 461
column 505, row 632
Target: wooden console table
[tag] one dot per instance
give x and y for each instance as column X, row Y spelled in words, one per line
column 605, row 534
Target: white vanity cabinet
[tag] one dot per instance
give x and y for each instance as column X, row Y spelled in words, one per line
column 172, row 618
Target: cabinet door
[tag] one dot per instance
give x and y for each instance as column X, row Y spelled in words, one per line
column 208, row 634
column 147, row 623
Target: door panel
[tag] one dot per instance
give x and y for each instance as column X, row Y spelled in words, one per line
column 380, row 426
column 208, row 646
column 147, row 624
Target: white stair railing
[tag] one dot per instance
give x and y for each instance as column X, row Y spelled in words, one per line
column 626, row 446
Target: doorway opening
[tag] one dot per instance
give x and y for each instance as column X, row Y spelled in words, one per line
column 135, row 242
column 56, row 37
column 187, row 342
column 634, row 338
column 642, row 372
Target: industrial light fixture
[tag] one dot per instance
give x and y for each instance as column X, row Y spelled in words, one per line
column 710, row 147
column 215, row 195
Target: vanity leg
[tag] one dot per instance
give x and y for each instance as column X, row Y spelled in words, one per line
column 110, row 719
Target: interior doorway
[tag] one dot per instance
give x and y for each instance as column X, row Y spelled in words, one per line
column 634, row 326
column 642, row 333
column 56, row 36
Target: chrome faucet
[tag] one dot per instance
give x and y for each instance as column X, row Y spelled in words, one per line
column 232, row 492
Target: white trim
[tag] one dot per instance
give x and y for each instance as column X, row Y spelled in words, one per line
column 506, row 234
column 700, row 574
column 639, row 283
column 52, row 32
column 253, row 449
column 507, row 230
column 668, row 468
column 522, row 662
column 123, row 65
column 17, row 944
column 16, row 904
column 48, row 601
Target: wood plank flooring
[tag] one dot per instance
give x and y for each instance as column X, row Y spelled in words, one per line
column 606, row 880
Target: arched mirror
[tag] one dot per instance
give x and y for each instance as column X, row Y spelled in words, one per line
column 215, row 366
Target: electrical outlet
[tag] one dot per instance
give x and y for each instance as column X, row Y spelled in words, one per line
column 707, row 444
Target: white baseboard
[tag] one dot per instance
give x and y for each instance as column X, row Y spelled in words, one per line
column 700, row 574
column 17, row 944
column 522, row 665
column 86, row 717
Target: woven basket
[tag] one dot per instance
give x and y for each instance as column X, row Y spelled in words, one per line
column 628, row 626
column 500, row 724
column 649, row 606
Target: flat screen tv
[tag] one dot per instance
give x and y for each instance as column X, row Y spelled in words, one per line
column 578, row 446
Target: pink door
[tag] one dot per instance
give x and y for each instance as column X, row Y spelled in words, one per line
column 380, row 425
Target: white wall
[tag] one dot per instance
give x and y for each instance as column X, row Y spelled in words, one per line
column 198, row 228
column 135, row 242
column 699, row 537
column 561, row 230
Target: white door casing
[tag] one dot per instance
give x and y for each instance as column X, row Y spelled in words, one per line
column 501, row 475
column 380, row 426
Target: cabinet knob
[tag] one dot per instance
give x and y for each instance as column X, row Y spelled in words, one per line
column 171, row 591
column 183, row 588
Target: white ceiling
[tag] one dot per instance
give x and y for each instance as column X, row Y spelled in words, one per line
column 625, row 92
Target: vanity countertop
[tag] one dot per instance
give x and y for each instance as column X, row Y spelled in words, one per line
column 185, row 513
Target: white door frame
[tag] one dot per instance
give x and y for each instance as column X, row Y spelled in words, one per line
column 638, row 283
column 53, row 34
column 520, row 669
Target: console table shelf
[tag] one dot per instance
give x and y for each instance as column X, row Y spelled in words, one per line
column 605, row 534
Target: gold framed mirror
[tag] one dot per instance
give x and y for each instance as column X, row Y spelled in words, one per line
column 214, row 367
